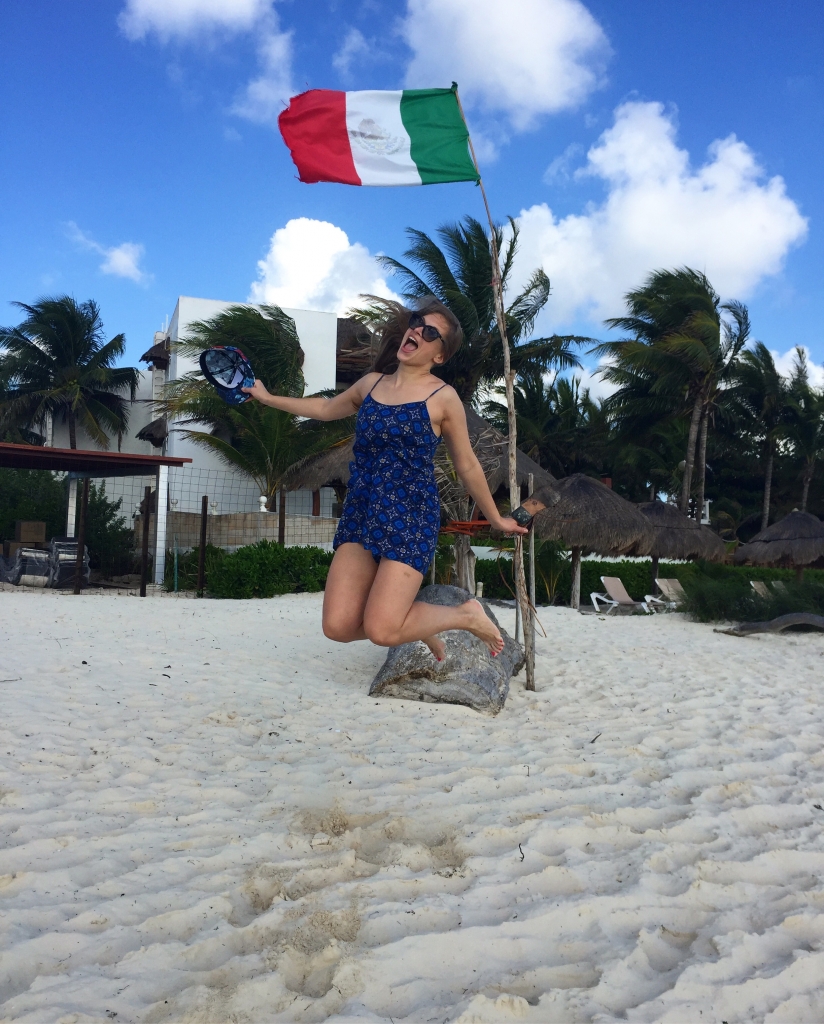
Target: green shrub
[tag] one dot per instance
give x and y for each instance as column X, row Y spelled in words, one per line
column 109, row 538
column 32, row 494
column 714, row 598
column 266, row 569
column 187, row 565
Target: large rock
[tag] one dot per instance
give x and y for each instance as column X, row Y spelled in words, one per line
column 468, row 674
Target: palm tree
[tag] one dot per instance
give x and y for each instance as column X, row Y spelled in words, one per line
column 57, row 363
column 559, row 424
column 805, row 427
column 677, row 362
column 458, row 272
column 763, row 398
column 256, row 439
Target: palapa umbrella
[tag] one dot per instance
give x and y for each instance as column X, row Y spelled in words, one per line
column 677, row 536
column 796, row 540
column 329, row 468
column 590, row 516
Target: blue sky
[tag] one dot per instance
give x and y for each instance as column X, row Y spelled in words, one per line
column 142, row 160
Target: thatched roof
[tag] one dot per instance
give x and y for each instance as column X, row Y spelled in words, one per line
column 322, row 470
column 156, row 432
column 157, row 355
column 490, row 445
column 677, row 536
column 592, row 516
column 797, row 539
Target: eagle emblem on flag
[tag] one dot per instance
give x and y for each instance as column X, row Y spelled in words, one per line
column 370, row 136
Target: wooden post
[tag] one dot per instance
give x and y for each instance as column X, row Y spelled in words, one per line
column 532, row 559
column 522, row 597
column 282, row 517
column 575, row 567
column 315, row 503
column 81, row 537
column 144, row 551
column 654, row 590
column 201, row 561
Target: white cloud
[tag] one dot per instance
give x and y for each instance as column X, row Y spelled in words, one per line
column 723, row 218
column 264, row 97
column 590, row 378
column 785, row 363
column 311, row 264
column 120, row 260
column 354, row 46
column 186, row 18
column 523, row 58
column 560, row 169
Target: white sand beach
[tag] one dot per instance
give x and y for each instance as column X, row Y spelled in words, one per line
column 203, row 817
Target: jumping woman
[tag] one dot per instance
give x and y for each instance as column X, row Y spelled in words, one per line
column 389, row 525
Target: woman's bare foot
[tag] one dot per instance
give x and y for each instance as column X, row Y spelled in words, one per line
column 437, row 646
column 481, row 626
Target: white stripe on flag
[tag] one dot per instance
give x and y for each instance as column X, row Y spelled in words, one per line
column 380, row 143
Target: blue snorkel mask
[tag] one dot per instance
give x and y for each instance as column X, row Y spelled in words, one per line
column 228, row 370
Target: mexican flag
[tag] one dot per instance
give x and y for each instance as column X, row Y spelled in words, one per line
column 409, row 137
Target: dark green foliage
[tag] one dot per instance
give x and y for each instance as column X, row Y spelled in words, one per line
column 496, row 576
column 731, row 598
column 57, row 362
column 32, row 494
column 109, row 537
column 264, row 569
column 457, row 269
column 635, row 575
column 187, row 563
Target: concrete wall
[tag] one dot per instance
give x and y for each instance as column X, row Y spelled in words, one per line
column 236, row 531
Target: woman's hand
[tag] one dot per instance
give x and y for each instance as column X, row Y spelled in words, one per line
column 257, row 392
column 508, row 526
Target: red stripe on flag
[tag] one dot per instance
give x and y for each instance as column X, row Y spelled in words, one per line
column 313, row 126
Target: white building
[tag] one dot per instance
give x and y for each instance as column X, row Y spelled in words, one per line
column 230, row 492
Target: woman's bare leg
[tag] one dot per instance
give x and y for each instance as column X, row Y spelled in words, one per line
column 351, row 575
column 392, row 616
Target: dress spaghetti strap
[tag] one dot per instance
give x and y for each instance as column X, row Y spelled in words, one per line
column 436, row 391
column 369, row 392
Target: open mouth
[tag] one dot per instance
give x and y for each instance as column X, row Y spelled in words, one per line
column 410, row 345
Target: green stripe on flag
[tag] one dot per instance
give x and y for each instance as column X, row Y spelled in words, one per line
column 440, row 140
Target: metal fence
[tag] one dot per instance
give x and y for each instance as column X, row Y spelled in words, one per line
column 236, row 514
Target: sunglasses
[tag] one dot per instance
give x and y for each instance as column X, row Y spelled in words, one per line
column 428, row 332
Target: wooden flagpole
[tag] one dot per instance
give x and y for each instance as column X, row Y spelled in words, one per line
column 521, row 593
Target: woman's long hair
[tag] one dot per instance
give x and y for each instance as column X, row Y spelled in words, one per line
column 397, row 324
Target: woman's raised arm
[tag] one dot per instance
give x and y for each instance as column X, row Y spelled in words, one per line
column 337, row 408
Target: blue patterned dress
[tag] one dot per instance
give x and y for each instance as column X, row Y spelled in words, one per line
column 392, row 505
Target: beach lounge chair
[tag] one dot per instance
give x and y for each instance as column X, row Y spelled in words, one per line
column 760, row 588
column 779, row 586
column 616, row 597
column 672, row 595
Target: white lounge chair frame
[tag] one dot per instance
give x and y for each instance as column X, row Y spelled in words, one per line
column 761, row 588
column 673, row 596
column 616, row 596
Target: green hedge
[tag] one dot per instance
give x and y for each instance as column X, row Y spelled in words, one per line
column 635, row 575
column 727, row 596
column 258, row 570
column 187, row 563
column 266, row 569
